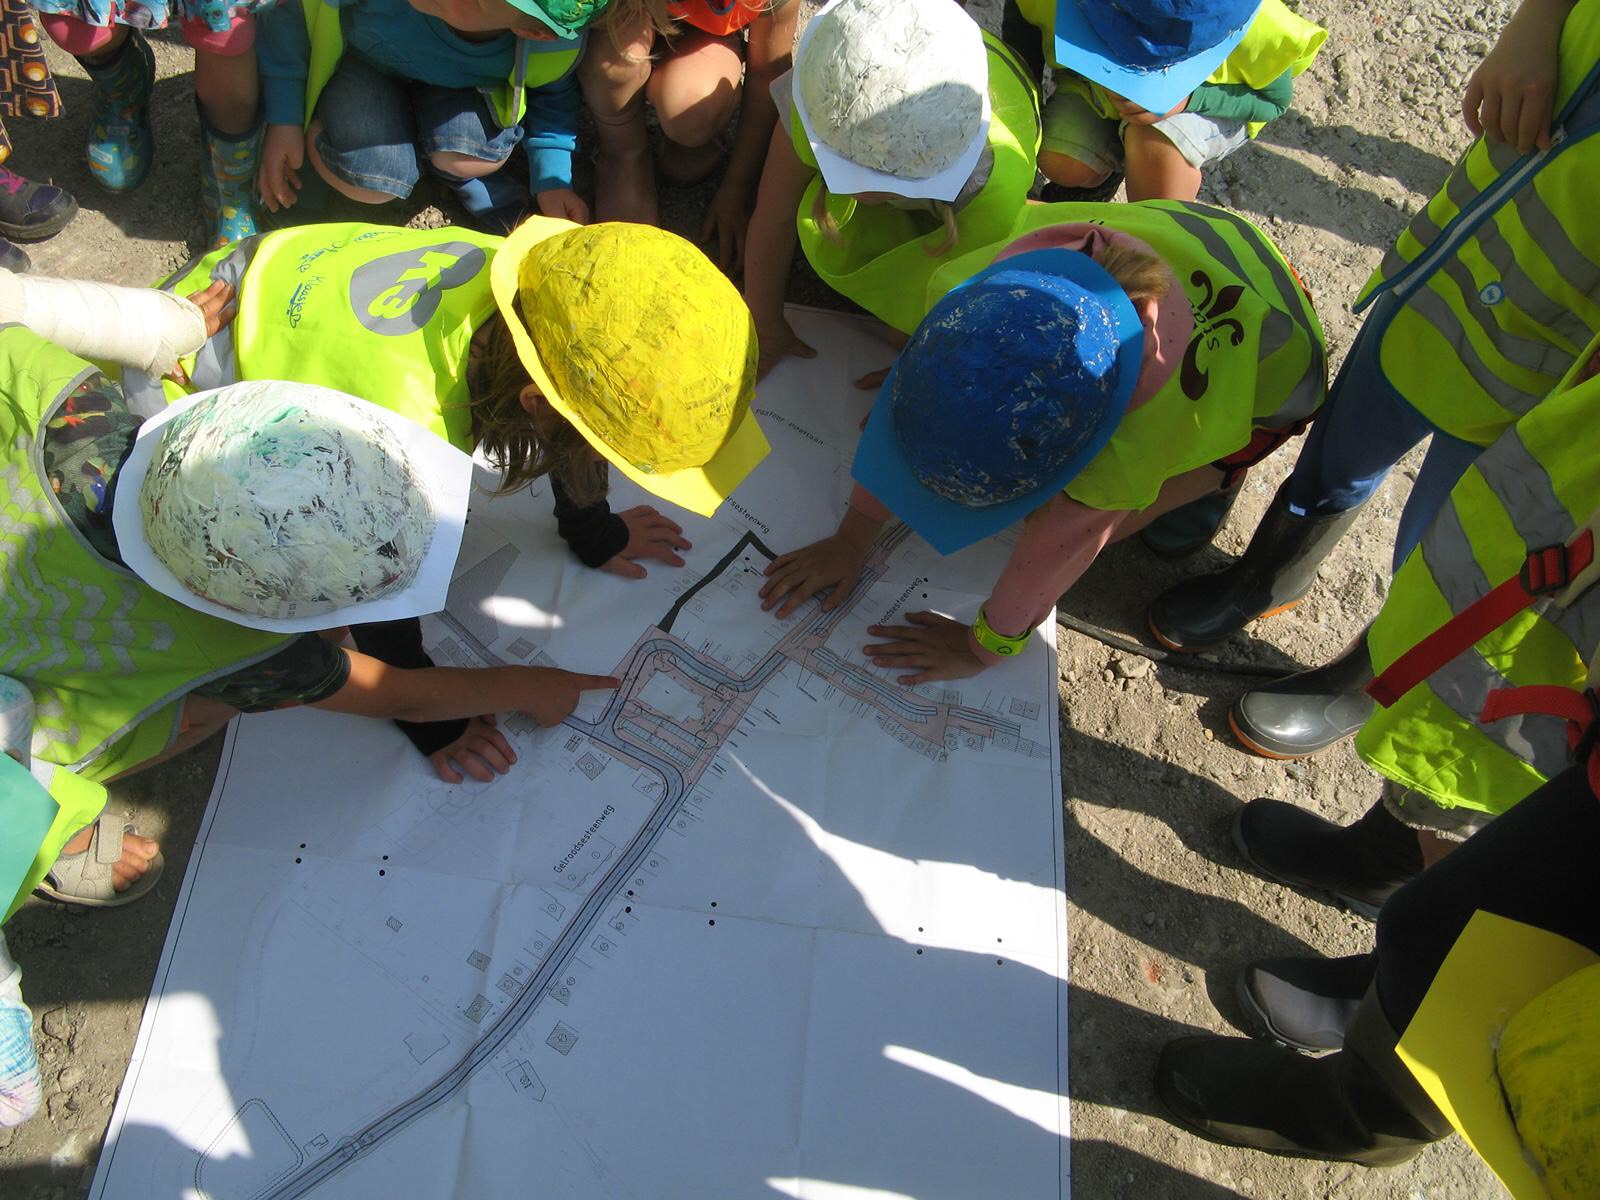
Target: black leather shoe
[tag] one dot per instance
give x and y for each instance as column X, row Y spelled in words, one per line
column 1308, row 712
column 1360, row 865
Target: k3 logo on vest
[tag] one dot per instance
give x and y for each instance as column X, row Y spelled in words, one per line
column 1211, row 322
column 399, row 293
column 1491, row 293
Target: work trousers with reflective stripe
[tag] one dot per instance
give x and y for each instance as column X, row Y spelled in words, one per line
column 1361, row 432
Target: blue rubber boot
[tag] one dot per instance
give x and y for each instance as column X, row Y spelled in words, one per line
column 120, row 139
column 228, row 189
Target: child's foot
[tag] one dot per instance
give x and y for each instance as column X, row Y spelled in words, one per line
column 120, row 140
column 82, row 871
column 625, row 188
column 32, row 210
column 685, row 166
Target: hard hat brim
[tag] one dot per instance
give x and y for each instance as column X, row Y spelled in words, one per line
column 443, row 470
column 1080, row 49
column 881, row 465
column 699, row 489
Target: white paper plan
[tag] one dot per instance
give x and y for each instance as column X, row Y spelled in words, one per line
column 762, row 922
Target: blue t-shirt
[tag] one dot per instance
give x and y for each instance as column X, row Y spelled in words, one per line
column 399, row 40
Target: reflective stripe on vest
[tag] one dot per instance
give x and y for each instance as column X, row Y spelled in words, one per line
column 534, row 64
column 1255, row 359
column 105, row 656
column 1532, row 488
column 380, row 312
column 1498, row 277
column 882, row 259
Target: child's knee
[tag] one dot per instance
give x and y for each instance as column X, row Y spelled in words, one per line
column 238, row 39
column 77, row 38
column 696, row 93
column 1070, row 172
column 463, row 166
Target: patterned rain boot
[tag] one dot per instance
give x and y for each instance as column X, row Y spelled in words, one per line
column 228, row 188
column 120, row 140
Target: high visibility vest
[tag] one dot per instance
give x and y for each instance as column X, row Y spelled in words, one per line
column 383, row 313
column 1255, row 360
column 107, row 658
column 1497, row 279
column 1278, row 40
column 64, row 803
column 719, row 18
column 883, row 256
column 1534, row 487
column 534, row 64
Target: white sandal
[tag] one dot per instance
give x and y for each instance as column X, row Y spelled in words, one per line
column 86, row 878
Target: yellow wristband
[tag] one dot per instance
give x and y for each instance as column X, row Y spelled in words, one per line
column 997, row 643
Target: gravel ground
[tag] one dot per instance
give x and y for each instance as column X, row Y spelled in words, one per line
column 1163, row 914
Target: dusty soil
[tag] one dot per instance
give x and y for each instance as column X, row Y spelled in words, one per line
column 1163, row 912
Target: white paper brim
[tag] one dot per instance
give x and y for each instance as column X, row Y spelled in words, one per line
column 443, row 470
column 847, row 178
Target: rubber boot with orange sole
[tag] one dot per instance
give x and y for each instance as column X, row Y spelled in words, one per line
column 1275, row 572
column 1309, row 711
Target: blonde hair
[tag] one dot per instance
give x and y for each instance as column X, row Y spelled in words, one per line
column 942, row 209
column 523, row 446
column 623, row 17
column 1142, row 275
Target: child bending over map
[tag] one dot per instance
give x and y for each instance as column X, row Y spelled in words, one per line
column 1065, row 378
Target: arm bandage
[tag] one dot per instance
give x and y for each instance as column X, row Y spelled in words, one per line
column 135, row 327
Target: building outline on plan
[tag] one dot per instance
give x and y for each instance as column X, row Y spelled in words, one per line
column 652, row 741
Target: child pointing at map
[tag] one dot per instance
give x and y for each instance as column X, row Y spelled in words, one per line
column 1072, row 383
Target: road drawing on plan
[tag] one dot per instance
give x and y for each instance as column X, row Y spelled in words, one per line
column 679, row 753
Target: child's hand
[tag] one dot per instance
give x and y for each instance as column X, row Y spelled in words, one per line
column 282, row 155
column 217, row 302
column 777, row 341
column 1134, row 115
column 1511, row 96
column 834, row 562
column 551, row 693
column 650, row 535
column 563, row 203
column 727, row 220
column 481, row 751
column 935, row 647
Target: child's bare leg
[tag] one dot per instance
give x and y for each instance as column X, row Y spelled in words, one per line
column 1156, row 168
column 360, row 195
column 613, row 73
column 463, row 166
column 227, row 89
column 695, row 90
column 202, row 717
column 1069, row 172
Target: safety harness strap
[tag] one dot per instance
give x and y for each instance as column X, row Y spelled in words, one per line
column 1580, row 710
column 1562, row 572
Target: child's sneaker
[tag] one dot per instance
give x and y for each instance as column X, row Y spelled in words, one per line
column 229, row 186
column 32, row 210
column 120, row 139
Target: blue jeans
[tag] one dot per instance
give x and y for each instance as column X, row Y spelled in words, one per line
column 1361, row 432
column 374, row 123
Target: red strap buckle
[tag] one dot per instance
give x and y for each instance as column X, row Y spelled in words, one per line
column 1547, row 570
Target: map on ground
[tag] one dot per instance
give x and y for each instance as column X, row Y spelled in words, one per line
column 761, row 922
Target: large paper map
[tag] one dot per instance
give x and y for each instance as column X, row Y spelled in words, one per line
column 762, row 922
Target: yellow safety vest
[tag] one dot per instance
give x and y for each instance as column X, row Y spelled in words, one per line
column 882, row 257
column 383, row 313
column 107, row 658
column 1533, row 488
column 1498, row 279
column 1278, row 40
column 535, row 64
column 1256, row 357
